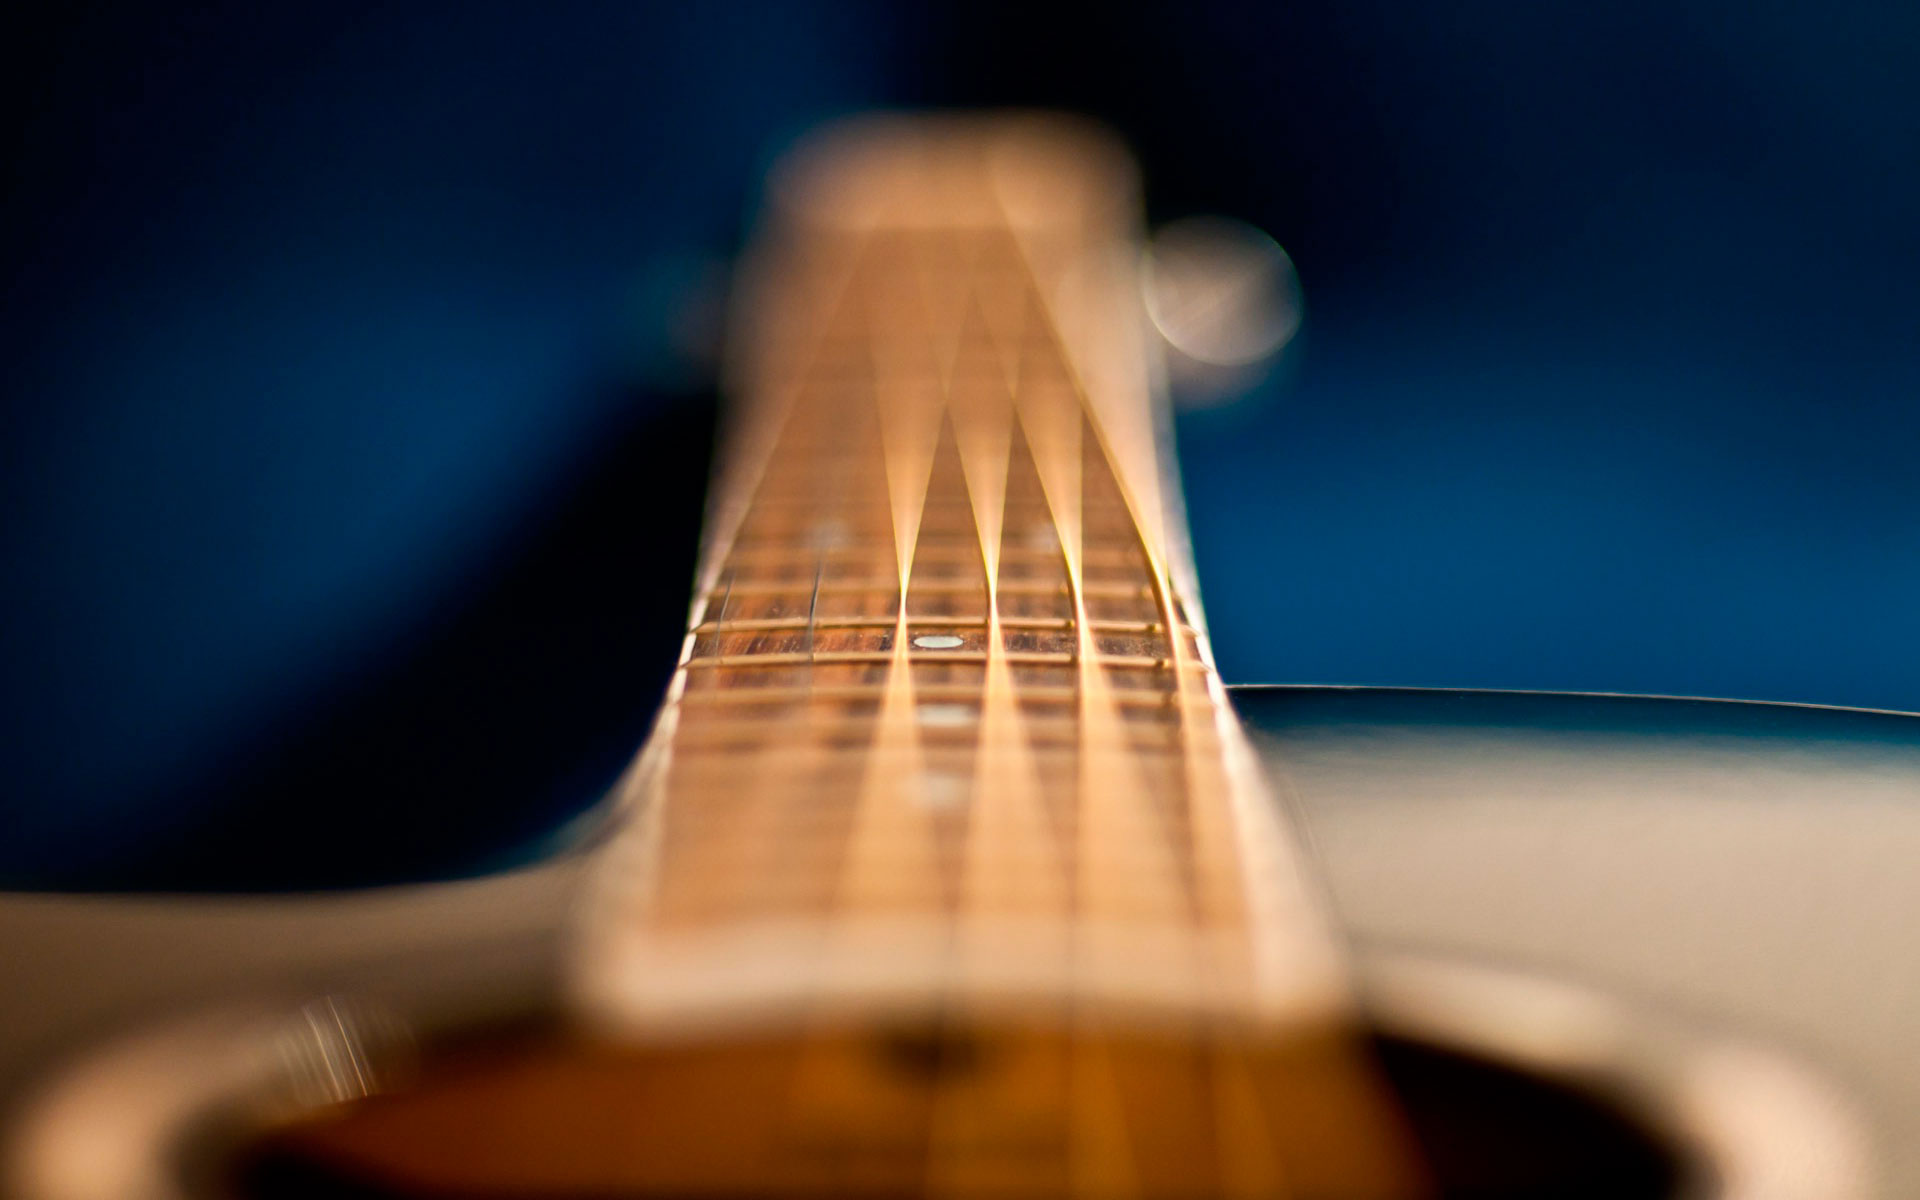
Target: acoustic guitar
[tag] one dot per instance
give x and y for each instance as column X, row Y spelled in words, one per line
column 950, row 869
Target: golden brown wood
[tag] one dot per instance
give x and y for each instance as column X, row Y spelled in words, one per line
column 946, row 871
column 947, row 726
column 1025, row 1112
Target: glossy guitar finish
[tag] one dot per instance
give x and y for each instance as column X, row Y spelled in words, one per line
column 1739, row 874
column 1744, row 867
column 946, row 763
column 948, row 868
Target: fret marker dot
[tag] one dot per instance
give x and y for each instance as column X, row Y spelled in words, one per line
column 830, row 534
column 939, row 641
column 945, row 716
column 941, row 790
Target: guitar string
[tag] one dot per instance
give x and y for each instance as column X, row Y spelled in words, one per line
column 1047, row 409
column 1085, row 652
column 1116, row 843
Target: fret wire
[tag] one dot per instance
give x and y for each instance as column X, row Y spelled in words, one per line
column 1090, row 589
column 1065, row 696
column 863, row 642
column 858, row 756
column 1038, row 729
column 842, row 708
column 873, row 514
column 1064, row 624
column 786, row 551
column 825, row 829
column 1017, row 658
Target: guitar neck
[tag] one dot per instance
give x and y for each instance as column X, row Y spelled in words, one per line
column 946, row 722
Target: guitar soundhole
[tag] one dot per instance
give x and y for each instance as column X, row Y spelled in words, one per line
column 931, row 1056
column 1488, row 1132
column 1485, row 1131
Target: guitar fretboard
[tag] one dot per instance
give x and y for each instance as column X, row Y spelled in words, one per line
column 946, row 722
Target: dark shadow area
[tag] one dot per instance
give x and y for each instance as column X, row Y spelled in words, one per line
column 465, row 744
column 1489, row 1131
column 1683, row 719
column 1606, row 383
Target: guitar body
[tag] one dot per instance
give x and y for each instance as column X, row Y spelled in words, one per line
column 950, row 868
column 1700, row 910
column 1696, row 870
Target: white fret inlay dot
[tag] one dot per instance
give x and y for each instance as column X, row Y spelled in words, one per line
column 939, row 641
column 945, row 716
column 830, row 534
column 938, row 789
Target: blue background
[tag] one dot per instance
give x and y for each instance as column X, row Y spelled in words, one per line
column 351, row 464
